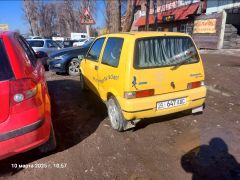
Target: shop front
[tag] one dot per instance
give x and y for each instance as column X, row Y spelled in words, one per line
column 180, row 19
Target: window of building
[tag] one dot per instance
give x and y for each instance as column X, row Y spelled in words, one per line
column 183, row 28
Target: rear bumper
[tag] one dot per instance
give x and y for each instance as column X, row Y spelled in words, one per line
column 25, row 130
column 21, row 131
column 24, row 139
column 146, row 107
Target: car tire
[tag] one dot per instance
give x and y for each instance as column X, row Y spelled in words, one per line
column 50, row 145
column 82, row 83
column 73, row 67
column 115, row 115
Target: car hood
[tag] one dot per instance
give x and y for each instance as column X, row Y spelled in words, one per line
column 68, row 50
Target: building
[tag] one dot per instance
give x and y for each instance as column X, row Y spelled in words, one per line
column 231, row 27
column 176, row 16
column 214, row 24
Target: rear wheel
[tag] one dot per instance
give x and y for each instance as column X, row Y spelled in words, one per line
column 50, row 145
column 115, row 115
column 73, row 67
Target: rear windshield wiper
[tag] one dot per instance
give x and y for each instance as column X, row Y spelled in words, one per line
column 180, row 63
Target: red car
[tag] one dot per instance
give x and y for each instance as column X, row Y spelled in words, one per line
column 25, row 115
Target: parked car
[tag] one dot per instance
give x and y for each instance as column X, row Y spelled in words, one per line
column 67, row 60
column 25, row 116
column 60, row 43
column 80, row 42
column 144, row 74
column 35, row 37
column 68, row 43
column 46, row 45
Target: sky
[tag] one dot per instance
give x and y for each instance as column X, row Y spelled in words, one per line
column 11, row 13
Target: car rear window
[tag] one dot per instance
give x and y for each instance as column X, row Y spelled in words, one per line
column 5, row 67
column 36, row 43
column 164, row 51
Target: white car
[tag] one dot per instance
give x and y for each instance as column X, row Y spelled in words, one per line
column 81, row 42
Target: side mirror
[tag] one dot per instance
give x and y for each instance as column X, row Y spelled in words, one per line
column 41, row 54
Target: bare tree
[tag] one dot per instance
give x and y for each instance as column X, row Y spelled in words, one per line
column 129, row 17
column 62, row 17
column 48, row 20
column 31, row 15
column 114, row 15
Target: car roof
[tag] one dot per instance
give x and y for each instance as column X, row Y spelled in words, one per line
column 144, row 34
column 6, row 33
column 67, row 50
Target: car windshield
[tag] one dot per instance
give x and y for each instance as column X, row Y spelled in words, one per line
column 52, row 44
column 164, row 51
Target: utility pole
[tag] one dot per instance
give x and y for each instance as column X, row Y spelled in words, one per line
column 147, row 15
column 155, row 14
column 120, row 16
column 88, row 26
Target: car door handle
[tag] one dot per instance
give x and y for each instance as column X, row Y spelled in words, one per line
column 96, row 68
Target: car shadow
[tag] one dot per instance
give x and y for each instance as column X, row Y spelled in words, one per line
column 210, row 162
column 75, row 116
column 145, row 122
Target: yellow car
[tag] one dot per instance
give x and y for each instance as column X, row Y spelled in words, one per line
column 144, row 74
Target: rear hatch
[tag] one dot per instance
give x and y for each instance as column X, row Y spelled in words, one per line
column 165, row 64
column 5, row 76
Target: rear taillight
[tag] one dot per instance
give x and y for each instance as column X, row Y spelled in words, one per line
column 139, row 94
column 193, row 85
column 22, row 90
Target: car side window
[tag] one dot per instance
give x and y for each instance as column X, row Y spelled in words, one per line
column 51, row 44
column 36, row 43
column 95, row 50
column 28, row 50
column 5, row 67
column 112, row 52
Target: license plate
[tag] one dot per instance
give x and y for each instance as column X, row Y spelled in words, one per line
column 171, row 103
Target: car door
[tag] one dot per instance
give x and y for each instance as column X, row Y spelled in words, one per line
column 111, row 75
column 51, row 46
column 90, row 64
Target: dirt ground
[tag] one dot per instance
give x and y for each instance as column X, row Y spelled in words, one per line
column 178, row 146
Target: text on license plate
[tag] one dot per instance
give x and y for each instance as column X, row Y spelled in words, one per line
column 171, row 103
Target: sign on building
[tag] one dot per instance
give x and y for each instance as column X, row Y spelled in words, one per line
column 208, row 30
column 4, row 27
column 169, row 18
column 205, row 26
column 86, row 18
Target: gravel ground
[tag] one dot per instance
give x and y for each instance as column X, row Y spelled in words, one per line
column 177, row 146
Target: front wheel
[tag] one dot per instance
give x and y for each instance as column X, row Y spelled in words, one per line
column 115, row 115
column 82, row 83
column 73, row 67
